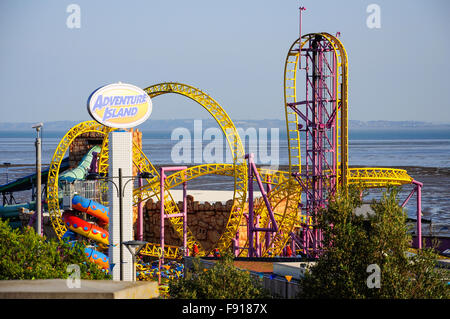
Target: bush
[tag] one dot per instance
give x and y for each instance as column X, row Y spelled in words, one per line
column 26, row 255
column 222, row 281
column 352, row 243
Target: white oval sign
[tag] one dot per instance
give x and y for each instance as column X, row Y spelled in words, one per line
column 119, row 105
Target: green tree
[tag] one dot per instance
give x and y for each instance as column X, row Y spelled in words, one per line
column 352, row 243
column 222, row 281
column 26, row 255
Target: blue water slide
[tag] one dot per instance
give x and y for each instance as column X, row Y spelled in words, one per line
column 79, row 173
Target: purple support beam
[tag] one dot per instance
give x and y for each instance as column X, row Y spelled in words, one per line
column 269, row 235
column 296, row 241
column 418, row 190
column 252, row 228
column 318, row 115
column 185, row 247
column 409, row 197
column 163, row 177
column 161, row 226
column 257, row 243
column 235, row 246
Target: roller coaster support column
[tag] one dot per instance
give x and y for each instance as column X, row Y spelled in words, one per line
column 252, row 228
column 183, row 214
column 269, row 235
column 318, row 114
column 417, row 189
column 235, row 245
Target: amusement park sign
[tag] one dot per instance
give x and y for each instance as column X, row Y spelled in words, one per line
column 119, row 105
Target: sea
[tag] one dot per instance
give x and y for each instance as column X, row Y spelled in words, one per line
column 424, row 153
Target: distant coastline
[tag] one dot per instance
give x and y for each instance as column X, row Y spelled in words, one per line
column 163, row 128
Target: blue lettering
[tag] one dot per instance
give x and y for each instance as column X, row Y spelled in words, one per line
column 107, row 101
column 120, row 113
column 126, row 112
column 114, row 112
column 102, row 101
column 108, row 114
column 98, row 103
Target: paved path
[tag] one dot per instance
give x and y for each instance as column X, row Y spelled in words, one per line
column 89, row 289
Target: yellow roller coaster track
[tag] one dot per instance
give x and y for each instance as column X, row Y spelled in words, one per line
column 285, row 195
column 366, row 177
column 369, row 177
column 288, row 218
column 141, row 161
column 52, row 182
column 290, row 96
column 234, row 143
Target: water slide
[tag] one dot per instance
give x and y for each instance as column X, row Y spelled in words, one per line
column 81, row 227
column 79, row 173
column 29, row 181
column 76, row 225
column 11, row 212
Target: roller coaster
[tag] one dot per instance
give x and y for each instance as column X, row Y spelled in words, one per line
column 283, row 218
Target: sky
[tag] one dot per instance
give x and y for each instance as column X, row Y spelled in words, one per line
column 232, row 50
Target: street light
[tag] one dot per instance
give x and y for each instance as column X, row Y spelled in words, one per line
column 37, row 143
column 120, row 190
column 134, row 246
